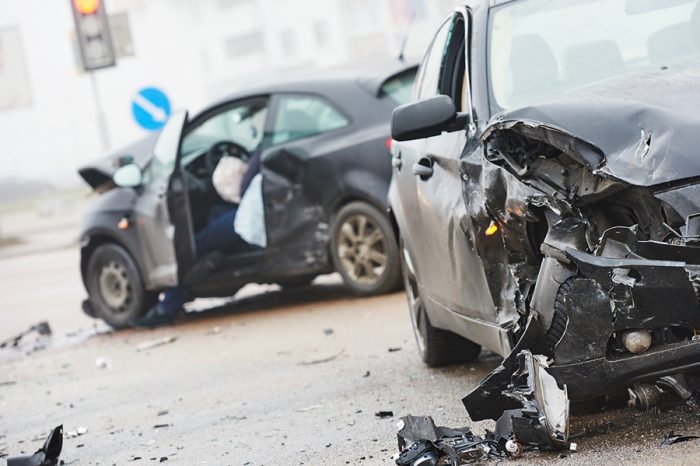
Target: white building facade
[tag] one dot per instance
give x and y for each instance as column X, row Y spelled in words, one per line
column 193, row 50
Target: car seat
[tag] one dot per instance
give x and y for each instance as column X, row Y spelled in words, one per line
column 674, row 41
column 534, row 67
column 592, row 62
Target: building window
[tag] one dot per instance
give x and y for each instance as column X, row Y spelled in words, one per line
column 321, row 34
column 14, row 79
column 245, row 44
column 289, row 43
column 224, row 4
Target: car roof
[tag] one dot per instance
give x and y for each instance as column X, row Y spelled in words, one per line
column 369, row 76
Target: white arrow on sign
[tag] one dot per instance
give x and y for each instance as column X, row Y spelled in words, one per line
column 157, row 113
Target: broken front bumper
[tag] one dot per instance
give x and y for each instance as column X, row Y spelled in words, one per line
column 631, row 288
column 613, row 296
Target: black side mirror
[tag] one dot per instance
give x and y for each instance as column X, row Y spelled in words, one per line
column 426, row 118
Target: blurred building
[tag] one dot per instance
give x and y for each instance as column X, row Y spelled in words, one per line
column 194, row 50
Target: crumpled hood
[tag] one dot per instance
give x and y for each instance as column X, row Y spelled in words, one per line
column 646, row 126
column 98, row 174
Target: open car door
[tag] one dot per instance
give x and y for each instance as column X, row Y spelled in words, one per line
column 293, row 216
column 163, row 212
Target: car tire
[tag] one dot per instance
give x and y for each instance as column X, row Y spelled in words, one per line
column 364, row 250
column 436, row 347
column 293, row 283
column 115, row 288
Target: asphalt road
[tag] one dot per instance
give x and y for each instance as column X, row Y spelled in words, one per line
column 272, row 378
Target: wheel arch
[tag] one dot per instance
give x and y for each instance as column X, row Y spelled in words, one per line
column 92, row 240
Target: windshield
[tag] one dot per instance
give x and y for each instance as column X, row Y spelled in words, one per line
column 243, row 124
column 539, row 48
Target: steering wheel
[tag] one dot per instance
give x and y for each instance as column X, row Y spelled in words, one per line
column 221, row 149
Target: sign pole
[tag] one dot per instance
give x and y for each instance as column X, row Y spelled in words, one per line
column 101, row 122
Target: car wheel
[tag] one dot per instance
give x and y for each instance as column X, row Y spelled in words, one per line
column 364, row 250
column 115, row 288
column 437, row 347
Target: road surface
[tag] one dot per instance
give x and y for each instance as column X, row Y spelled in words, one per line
column 272, row 378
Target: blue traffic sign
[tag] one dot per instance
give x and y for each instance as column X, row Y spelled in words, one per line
column 151, row 108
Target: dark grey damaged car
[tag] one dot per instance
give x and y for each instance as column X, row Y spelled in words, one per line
column 325, row 166
column 547, row 195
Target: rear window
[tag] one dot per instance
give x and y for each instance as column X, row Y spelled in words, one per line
column 399, row 88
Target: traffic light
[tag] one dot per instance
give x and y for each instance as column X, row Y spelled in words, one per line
column 92, row 31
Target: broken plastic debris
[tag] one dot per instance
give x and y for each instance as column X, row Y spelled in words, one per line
column 422, row 443
column 672, row 438
column 309, row 408
column 77, row 432
column 320, row 361
column 47, row 455
column 146, row 345
column 103, row 363
column 43, row 329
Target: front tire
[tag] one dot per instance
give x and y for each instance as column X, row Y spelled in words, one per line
column 436, row 347
column 364, row 250
column 115, row 288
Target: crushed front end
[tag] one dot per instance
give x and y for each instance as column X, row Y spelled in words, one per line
column 606, row 273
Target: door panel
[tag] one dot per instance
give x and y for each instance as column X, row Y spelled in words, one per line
column 157, row 231
column 449, row 268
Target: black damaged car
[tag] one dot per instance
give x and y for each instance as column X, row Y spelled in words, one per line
column 547, row 193
column 326, row 168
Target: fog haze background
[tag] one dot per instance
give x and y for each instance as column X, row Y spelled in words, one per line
column 194, row 50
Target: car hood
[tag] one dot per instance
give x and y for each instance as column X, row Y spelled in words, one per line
column 98, row 174
column 646, row 128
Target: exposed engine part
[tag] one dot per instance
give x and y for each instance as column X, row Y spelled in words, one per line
column 514, row 448
column 637, row 341
column 644, row 396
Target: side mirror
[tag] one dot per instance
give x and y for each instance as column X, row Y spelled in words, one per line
column 128, row 176
column 426, row 118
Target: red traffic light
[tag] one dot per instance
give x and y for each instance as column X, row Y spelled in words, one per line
column 86, row 7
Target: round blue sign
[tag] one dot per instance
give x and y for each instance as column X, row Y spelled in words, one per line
column 151, row 108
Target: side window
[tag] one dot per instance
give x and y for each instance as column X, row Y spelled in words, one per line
column 452, row 82
column 429, row 75
column 398, row 88
column 303, row 116
column 242, row 123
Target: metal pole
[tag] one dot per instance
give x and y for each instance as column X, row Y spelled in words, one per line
column 101, row 122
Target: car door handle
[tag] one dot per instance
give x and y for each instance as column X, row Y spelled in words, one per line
column 424, row 168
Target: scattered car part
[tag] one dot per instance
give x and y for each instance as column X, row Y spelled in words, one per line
column 323, row 360
column 421, row 443
column 150, row 344
column 42, row 329
column 47, row 455
column 679, row 384
column 672, row 438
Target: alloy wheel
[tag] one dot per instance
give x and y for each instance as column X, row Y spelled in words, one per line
column 362, row 249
